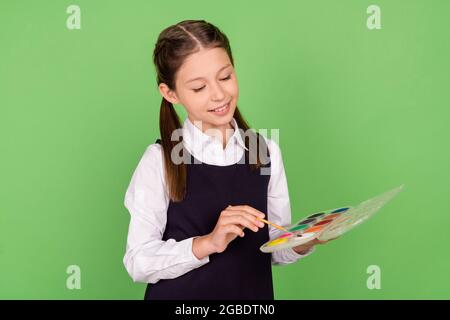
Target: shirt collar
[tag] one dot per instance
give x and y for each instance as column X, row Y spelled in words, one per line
column 196, row 141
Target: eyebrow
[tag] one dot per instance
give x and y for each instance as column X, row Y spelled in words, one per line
column 199, row 78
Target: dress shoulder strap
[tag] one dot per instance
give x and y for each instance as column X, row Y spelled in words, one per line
column 265, row 156
column 261, row 149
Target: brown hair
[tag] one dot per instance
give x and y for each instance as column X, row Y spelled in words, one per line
column 173, row 46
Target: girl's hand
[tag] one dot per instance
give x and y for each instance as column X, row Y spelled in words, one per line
column 231, row 223
column 229, row 226
column 303, row 248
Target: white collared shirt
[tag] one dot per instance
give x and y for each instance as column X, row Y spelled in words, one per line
column 148, row 258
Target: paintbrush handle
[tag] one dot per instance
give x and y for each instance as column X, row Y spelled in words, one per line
column 273, row 224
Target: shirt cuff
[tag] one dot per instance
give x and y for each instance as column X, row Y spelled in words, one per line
column 196, row 261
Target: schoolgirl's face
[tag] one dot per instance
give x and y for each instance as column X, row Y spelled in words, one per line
column 206, row 81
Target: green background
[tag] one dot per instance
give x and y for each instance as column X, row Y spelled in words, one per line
column 359, row 111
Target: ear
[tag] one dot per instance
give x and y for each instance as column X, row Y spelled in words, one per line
column 168, row 94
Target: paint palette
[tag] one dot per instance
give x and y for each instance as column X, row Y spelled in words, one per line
column 328, row 224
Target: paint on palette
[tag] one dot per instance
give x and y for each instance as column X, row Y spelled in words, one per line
column 323, row 222
column 306, row 221
column 316, row 215
column 328, row 224
column 277, row 241
column 332, row 216
column 340, row 210
column 299, row 227
column 286, row 235
column 314, row 229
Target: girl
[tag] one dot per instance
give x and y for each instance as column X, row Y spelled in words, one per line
column 187, row 236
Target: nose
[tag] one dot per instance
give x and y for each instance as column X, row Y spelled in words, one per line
column 217, row 92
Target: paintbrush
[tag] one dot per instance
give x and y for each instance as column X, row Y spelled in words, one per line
column 273, row 224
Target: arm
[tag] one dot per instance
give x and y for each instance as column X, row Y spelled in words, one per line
column 148, row 258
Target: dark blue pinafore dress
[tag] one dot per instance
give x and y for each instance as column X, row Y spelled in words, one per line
column 242, row 271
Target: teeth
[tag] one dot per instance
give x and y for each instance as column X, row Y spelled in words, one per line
column 220, row 108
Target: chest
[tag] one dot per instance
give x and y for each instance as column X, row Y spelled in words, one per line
column 209, row 190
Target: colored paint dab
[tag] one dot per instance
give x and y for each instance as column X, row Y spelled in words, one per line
column 340, row 210
column 277, row 242
column 299, row 227
column 286, row 235
column 332, row 216
column 313, row 229
column 323, row 222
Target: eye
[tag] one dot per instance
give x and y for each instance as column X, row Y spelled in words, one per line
column 223, row 79
column 199, row 89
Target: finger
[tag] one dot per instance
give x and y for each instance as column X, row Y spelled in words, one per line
column 320, row 241
column 231, row 228
column 248, row 209
column 312, row 242
column 249, row 217
column 227, row 213
column 241, row 220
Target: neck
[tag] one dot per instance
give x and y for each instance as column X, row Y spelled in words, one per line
column 222, row 132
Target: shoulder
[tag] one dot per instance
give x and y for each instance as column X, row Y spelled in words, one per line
column 153, row 151
column 147, row 188
column 151, row 161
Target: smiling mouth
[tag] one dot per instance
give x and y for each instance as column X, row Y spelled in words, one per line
column 221, row 108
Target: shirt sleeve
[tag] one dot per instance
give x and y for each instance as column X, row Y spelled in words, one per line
column 278, row 205
column 148, row 258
